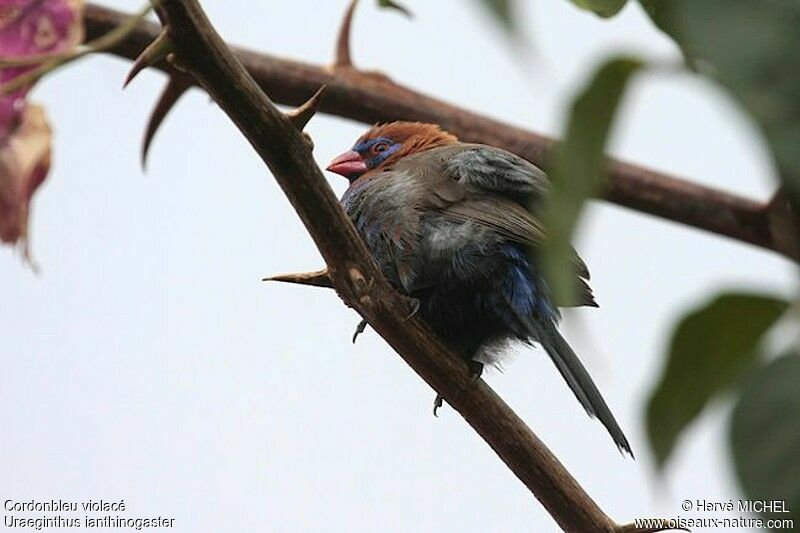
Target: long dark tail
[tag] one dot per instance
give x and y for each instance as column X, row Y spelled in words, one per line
column 579, row 380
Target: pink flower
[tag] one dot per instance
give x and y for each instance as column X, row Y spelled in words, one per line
column 28, row 29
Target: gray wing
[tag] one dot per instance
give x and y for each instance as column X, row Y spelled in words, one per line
column 516, row 224
column 494, row 170
column 492, row 187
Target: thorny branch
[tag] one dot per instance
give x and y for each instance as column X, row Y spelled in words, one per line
column 369, row 97
column 279, row 140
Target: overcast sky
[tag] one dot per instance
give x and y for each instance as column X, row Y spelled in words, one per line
column 148, row 363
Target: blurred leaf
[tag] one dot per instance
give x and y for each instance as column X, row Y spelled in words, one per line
column 603, row 8
column 391, row 4
column 502, row 11
column 765, row 436
column 711, row 347
column 580, row 168
column 752, row 48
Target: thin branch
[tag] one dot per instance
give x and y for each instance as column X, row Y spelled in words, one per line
column 368, row 98
column 283, row 148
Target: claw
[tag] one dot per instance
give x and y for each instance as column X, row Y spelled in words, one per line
column 476, row 369
column 437, row 403
column 360, row 329
column 415, row 305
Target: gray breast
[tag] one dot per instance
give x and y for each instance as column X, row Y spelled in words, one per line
column 385, row 209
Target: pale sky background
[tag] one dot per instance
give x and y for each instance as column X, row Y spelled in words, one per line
column 148, row 363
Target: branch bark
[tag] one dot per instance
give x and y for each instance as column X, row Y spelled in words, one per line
column 370, row 98
column 285, row 150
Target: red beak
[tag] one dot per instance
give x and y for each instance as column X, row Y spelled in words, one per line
column 349, row 164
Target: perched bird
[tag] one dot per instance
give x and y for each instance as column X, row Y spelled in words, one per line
column 450, row 225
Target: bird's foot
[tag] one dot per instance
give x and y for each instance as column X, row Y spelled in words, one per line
column 360, row 329
column 476, row 369
column 437, row 403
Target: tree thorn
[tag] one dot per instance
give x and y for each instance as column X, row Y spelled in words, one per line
column 318, row 278
column 303, row 114
column 155, row 52
column 343, row 58
column 176, row 86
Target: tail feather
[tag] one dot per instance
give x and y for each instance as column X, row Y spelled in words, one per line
column 579, row 380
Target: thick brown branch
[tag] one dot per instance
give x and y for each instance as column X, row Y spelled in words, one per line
column 282, row 146
column 369, row 98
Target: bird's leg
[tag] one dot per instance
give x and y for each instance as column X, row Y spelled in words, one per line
column 360, row 329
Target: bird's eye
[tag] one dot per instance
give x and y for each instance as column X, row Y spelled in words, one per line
column 380, row 147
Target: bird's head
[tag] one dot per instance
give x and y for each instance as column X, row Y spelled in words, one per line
column 384, row 144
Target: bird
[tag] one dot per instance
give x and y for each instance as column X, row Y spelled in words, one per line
column 453, row 226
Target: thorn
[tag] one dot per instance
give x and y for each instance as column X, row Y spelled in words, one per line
column 318, row 278
column 360, row 329
column 303, row 114
column 343, row 58
column 155, row 52
column 176, row 86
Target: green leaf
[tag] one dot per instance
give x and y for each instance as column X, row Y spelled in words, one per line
column 391, row 4
column 751, row 48
column 580, row 168
column 603, row 8
column 711, row 348
column 502, row 11
column 765, row 436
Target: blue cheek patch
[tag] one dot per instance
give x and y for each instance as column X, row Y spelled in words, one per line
column 380, row 158
column 373, row 161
